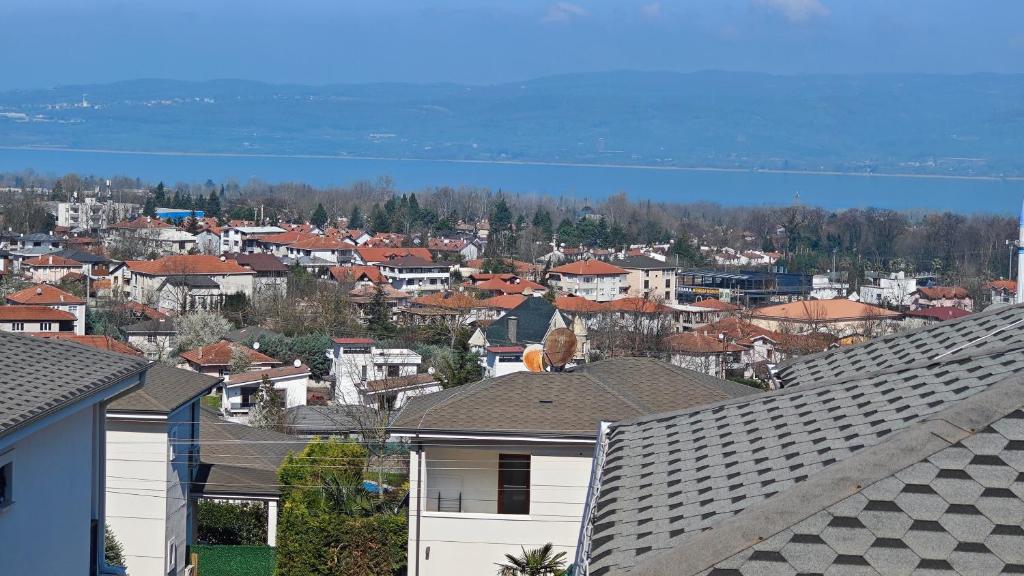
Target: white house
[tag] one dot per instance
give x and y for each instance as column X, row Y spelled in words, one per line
column 362, row 372
column 330, row 249
column 156, row 338
column 239, row 392
column 241, row 239
column 416, row 275
column 502, row 360
column 505, row 463
column 32, row 319
column 152, row 460
column 895, row 290
column 186, row 282
column 53, row 452
column 592, row 279
column 51, row 268
column 46, row 295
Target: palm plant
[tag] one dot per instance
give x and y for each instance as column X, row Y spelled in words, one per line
column 535, row 562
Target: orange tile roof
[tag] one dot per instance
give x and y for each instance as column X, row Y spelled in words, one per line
column 589, row 268
column 143, row 310
column 220, row 354
column 44, row 294
column 283, row 238
column 355, row 273
column 448, row 301
column 739, row 330
column 51, row 261
column 824, row 311
column 504, row 301
column 1007, row 285
column 33, row 314
column 319, row 243
column 577, row 304
column 636, row 305
column 943, row 292
column 714, row 304
column 371, row 254
column 271, row 373
column 498, row 285
column 94, row 340
column 187, row 264
column 142, row 222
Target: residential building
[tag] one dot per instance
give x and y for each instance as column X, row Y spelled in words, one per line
column 941, row 297
column 528, row 323
column 362, row 371
column 156, row 338
column 358, row 275
column 330, row 249
column 32, row 319
column 188, row 282
column 152, row 235
column 897, row 456
column 744, row 287
column 711, row 354
column 452, row 249
column 217, row 359
column 846, row 320
column 47, row 295
column 895, row 290
column 153, row 446
column 649, row 278
column 93, row 213
column 239, row 392
column 704, row 311
column 93, row 340
column 591, row 279
column 53, row 457
column 244, row 239
column 365, row 255
column 505, row 462
column 271, row 274
column 502, row 360
column 416, row 275
column 1001, row 292
column 239, row 463
column 50, row 268
column 332, row 420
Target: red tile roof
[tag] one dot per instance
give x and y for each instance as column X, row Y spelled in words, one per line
column 700, row 343
column 636, row 306
column 940, row 313
column 713, row 304
column 220, row 354
column 504, row 301
column 382, row 254
column 283, row 238
column 344, row 341
column 142, row 222
column 589, row 268
column 1007, row 285
column 51, row 261
column 943, row 292
column 143, row 310
column 187, row 264
column 577, row 304
column 518, row 265
column 357, row 273
column 44, row 294
column 271, row 373
column 94, row 340
column 21, row 313
column 518, row 286
column 823, row 311
column 448, row 301
column 319, row 243
column 504, row 349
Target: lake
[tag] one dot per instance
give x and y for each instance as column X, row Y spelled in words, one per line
column 833, row 191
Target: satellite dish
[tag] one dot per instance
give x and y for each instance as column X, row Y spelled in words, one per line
column 255, row 345
column 559, row 348
column 297, row 363
column 533, row 358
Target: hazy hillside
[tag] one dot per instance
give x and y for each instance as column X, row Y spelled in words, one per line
column 897, row 123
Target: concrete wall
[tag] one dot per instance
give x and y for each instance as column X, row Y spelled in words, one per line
column 471, row 542
column 46, row 530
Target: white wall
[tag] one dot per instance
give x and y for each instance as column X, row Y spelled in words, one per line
column 473, row 541
column 47, row 528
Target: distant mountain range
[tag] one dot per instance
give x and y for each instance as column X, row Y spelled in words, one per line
column 959, row 125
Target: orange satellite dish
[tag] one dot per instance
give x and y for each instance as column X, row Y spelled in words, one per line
column 559, row 347
column 533, row 357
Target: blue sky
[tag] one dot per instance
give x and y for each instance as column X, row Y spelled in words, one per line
column 49, row 42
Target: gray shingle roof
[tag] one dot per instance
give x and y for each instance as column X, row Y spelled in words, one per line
column 328, row 420
column 565, row 403
column 165, row 326
column 533, row 316
column 166, row 389
column 668, row 478
column 240, row 460
column 640, row 263
column 39, row 376
column 894, row 350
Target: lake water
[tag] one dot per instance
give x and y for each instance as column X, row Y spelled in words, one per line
column 583, row 182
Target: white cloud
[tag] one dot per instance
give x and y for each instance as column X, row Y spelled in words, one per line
column 796, row 10
column 652, row 10
column 564, row 12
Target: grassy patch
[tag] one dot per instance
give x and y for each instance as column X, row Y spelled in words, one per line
column 212, row 401
column 235, row 560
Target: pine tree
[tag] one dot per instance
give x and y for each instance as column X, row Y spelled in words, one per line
column 378, row 219
column 213, row 204
column 149, row 209
column 268, row 412
column 160, row 195
column 355, row 218
column 319, row 217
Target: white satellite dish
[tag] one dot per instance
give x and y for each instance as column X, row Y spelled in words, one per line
column 297, row 363
column 255, row 345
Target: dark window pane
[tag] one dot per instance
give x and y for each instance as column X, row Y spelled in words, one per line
column 513, row 484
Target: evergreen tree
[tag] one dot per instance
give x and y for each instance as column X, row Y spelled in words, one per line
column 113, row 550
column 378, row 219
column 380, row 315
column 149, row 209
column 268, row 413
column 213, row 204
column 319, row 217
column 160, row 196
column 542, row 220
column 355, row 218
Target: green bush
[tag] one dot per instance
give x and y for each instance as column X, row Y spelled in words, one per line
column 228, row 523
column 235, row 560
column 330, row 544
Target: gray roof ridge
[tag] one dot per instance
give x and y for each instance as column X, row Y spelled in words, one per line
column 807, row 388
column 641, row 408
column 737, row 387
column 845, row 478
column 898, row 335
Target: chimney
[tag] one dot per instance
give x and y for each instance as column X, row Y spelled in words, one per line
column 1020, row 259
column 513, row 326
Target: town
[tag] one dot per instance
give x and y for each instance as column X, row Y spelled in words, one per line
column 470, row 383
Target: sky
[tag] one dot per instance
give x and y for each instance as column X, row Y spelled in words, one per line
column 52, row 42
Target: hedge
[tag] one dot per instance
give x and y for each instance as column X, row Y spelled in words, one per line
column 235, row 560
column 324, row 544
column 227, row 523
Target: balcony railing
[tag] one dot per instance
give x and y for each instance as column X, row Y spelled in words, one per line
column 452, row 504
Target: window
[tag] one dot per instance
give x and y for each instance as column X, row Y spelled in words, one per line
column 647, row 284
column 18, row 327
column 513, row 484
column 151, row 338
column 6, row 480
column 73, row 309
column 668, row 282
column 45, row 326
column 364, row 367
column 394, row 370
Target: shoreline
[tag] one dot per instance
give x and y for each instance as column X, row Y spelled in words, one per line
column 189, row 154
